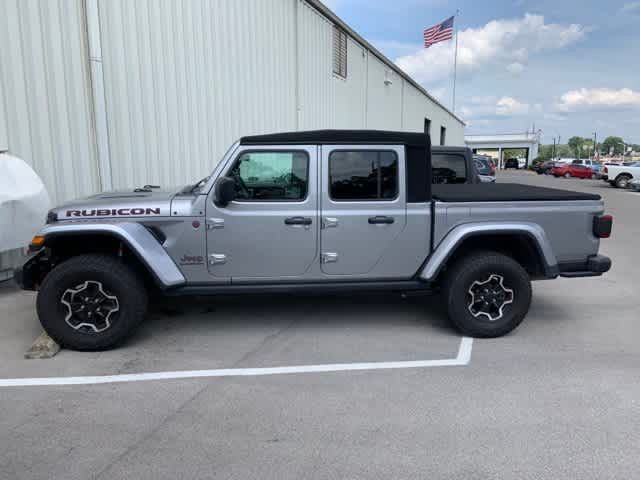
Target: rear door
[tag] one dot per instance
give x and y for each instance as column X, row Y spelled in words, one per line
column 363, row 208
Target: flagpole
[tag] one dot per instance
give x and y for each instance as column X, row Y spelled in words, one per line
column 455, row 64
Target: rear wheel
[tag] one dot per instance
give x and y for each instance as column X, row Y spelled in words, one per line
column 487, row 294
column 91, row 302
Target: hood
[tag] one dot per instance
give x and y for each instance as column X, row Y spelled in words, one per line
column 116, row 204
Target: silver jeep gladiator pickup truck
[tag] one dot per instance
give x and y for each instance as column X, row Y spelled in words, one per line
column 327, row 211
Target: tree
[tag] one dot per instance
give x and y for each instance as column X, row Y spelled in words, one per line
column 576, row 144
column 613, row 144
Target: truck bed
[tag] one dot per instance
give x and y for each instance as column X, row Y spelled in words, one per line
column 504, row 192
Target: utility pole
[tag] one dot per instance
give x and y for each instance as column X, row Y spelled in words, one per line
column 553, row 155
column 595, row 145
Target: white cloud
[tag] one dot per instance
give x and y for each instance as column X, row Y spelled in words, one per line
column 490, row 106
column 508, row 106
column 515, row 68
column 506, row 43
column 598, row 98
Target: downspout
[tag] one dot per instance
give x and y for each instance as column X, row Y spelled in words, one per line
column 297, row 63
column 100, row 123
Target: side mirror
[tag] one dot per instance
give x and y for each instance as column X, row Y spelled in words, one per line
column 224, row 191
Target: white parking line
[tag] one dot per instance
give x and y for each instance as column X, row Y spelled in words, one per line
column 463, row 358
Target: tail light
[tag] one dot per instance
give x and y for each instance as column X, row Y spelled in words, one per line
column 605, row 170
column 602, row 226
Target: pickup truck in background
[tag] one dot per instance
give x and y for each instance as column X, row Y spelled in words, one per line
column 620, row 176
column 330, row 211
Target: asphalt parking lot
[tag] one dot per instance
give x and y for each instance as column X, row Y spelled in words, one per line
column 557, row 398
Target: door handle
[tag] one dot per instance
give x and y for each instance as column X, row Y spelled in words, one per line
column 379, row 219
column 297, row 221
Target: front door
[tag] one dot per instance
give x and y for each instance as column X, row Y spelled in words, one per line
column 363, row 209
column 270, row 231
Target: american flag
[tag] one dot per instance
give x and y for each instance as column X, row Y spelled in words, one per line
column 439, row 33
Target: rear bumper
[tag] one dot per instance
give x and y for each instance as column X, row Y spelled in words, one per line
column 595, row 266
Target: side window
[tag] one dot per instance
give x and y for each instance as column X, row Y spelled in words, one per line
column 448, row 168
column 364, row 175
column 271, row 176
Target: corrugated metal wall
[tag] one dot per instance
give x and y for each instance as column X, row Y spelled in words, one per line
column 183, row 80
column 415, row 107
column 47, row 102
column 4, row 138
column 45, row 99
column 326, row 100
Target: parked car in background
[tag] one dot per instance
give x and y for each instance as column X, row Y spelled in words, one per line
column 571, row 170
column 512, row 163
column 620, row 176
column 592, row 164
column 485, row 167
column 543, row 167
column 596, row 170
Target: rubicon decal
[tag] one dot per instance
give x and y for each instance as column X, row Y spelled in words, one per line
column 113, row 212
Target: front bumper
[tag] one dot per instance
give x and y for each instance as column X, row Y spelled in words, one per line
column 594, row 266
column 33, row 270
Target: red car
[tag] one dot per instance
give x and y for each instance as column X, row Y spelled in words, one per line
column 569, row 170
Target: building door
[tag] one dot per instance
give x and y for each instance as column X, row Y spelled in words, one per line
column 363, row 208
column 271, row 229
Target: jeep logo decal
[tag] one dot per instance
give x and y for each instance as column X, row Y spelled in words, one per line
column 191, row 260
column 105, row 212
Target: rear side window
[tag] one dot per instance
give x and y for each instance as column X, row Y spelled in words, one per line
column 365, row 175
column 271, row 176
column 448, row 168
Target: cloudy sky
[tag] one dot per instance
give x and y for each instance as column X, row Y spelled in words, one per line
column 572, row 67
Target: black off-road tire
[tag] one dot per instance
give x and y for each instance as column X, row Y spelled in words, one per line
column 117, row 279
column 622, row 181
column 477, row 267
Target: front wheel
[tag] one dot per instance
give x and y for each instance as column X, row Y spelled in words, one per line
column 487, row 294
column 91, row 302
column 623, row 181
column 567, row 175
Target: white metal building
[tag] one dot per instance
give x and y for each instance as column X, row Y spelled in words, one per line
column 101, row 94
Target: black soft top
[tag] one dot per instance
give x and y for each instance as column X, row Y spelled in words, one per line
column 354, row 137
column 417, row 150
column 504, row 192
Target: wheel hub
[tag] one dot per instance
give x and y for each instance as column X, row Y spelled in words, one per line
column 488, row 297
column 89, row 307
